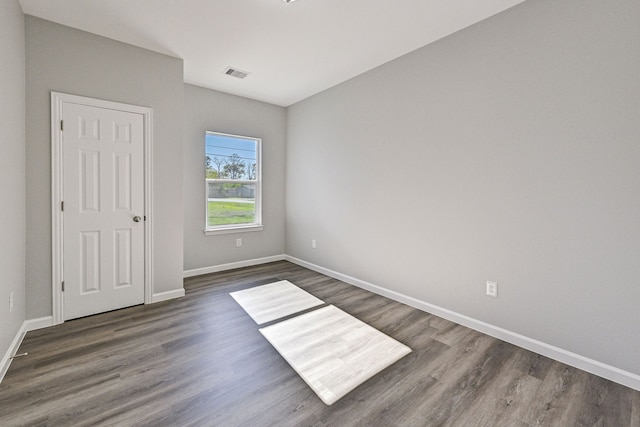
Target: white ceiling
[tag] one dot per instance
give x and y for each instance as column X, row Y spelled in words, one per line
column 292, row 50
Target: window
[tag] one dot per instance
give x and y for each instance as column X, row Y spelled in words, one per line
column 233, row 183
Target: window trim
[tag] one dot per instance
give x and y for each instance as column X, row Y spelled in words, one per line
column 257, row 225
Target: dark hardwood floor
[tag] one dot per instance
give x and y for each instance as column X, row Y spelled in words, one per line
column 200, row 361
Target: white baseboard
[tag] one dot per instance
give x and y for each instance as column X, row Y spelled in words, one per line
column 27, row 325
column 600, row 369
column 13, row 349
column 39, row 323
column 163, row 296
column 232, row 265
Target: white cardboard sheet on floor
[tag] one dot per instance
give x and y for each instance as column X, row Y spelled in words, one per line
column 274, row 301
column 333, row 351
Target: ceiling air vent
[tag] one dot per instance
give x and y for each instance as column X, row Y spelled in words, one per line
column 234, row 72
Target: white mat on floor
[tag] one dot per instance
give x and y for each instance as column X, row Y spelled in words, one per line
column 274, row 301
column 333, row 351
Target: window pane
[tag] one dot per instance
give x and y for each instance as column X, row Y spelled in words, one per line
column 230, row 157
column 230, row 203
column 233, row 181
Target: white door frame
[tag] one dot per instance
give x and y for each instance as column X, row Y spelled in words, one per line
column 57, row 193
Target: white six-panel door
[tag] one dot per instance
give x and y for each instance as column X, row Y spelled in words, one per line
column 103, row 215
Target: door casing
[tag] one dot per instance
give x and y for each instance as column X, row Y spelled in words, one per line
column 57, row 101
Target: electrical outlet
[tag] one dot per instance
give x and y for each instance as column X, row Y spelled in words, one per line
column 492, row 289
column 11, row 302
column 238, row 243
column 313, row 243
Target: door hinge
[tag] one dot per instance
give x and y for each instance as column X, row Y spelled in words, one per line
column 63, row 286
column 62, row 206
column 62, row 125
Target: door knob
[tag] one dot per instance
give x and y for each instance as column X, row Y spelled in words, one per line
column 137, row 219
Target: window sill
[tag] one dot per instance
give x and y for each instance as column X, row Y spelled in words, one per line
column 230, row 230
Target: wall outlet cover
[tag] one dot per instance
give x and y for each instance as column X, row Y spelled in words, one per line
column 492, row 289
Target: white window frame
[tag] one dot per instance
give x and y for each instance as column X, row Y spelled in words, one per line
column 237, row 228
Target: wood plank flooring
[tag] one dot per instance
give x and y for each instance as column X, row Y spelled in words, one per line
column 200, row 361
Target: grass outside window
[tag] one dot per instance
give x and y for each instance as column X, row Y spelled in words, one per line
column 230, row 212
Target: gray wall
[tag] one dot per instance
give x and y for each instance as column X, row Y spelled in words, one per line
column 205, row 110
column 63, row 59
column 508, row 151
column 12, row 171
